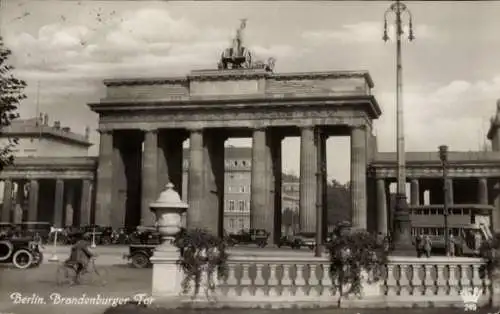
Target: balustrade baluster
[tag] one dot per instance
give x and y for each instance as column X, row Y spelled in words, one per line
column 327, row 287
column 259, row 282
column 246, row 281
column 429, row 283
column 416, row 281
column 476, row 279
column 442, row 286
column 286, row 281
column 300, row 282
column 404, row 283
column 231, row 281
column 313, row 280
column 464, row 278
column 452, row 281
column 392, row 284
column 273, row 282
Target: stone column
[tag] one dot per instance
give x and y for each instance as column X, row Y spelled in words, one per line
column 68, row 206
column 308, row 181
column 58, row 204
column 272, row 157
column 358, row 177
column 104, row 179
column 195, row 180
column 33, row 201
column 149, row 176
column 381, row 207
column 259, row 184
column 496, row 209
column 85, row 202
column 414, row 192
column 213, row 181
column 7, row 201
column 170, row 159
column 483, row 191
column 449, row 183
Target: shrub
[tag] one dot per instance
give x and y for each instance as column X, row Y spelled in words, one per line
column 351, row 252
column 202, row 255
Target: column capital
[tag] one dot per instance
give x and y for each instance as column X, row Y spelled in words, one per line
column 102, row 131
column 307, row 127
column 150, row 130
column 358, row 127
column 259, row 128
column 195, row 130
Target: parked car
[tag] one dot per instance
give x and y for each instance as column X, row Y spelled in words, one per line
column 38, row 229
column 251, row 236
column 139, row 255
column 307, row 239
column 21, row 252
column 145, row 235
column 101, row 234
column 290, row 241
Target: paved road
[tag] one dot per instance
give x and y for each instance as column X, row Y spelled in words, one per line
column 113, row 254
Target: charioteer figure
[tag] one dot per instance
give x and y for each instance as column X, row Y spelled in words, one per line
column 239, row 57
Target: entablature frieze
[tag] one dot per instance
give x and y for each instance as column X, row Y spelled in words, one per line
column 234, row 118
column 44, row 174
column 437, row 172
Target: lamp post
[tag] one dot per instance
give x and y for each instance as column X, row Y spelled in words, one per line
column 443, row 156
column 402, row 224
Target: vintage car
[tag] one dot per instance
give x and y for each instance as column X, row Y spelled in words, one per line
column 143, row 242
column 307, row 239
column 21, row 252
column 100, row 234
column 291, row 241
column 35, row 229
column 251, row 236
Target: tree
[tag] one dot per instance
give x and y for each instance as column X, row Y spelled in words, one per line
column 353, row 252
column 338, row 202
column 11, row 94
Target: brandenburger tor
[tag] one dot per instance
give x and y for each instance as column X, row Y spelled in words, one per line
column 143, row 123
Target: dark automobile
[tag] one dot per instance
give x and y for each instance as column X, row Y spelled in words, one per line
column 120, row 236
column 21, row 252
column 307, row 239
column 38, row 229
column 72, row 234
column 100, row 234
column 252, row 236
column 145, row 235
column 143, row 242
column 291, row 241
column 6, row 229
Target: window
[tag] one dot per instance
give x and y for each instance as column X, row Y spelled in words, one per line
column 242, row 223
column 231, row 206
column 242, row 189
column 235, row 163
column 231, row 223
column 241, row 206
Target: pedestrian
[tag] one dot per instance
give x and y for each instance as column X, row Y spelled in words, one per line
column 418, row 245
column 451, row 245
column 427, row 246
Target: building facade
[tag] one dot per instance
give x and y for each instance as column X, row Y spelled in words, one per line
column 52, row 177
column 237, row 188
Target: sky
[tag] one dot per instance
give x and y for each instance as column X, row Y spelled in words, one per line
column 451, row 72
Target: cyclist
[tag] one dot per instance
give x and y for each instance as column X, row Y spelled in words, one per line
column 80, row 256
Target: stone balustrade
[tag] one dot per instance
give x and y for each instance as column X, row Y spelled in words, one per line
column 304, row 281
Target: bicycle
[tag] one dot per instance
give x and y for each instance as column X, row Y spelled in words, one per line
column 66, row 274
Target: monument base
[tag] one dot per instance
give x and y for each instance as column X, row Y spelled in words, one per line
column 167, row 274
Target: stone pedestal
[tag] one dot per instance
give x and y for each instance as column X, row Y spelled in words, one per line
column 167, row 275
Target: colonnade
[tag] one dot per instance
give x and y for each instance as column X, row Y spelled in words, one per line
column 482, row 192
column 61, row 202
column 145, row 160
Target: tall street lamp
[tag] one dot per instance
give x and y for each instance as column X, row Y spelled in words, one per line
column 443, row 156
column 402, row 224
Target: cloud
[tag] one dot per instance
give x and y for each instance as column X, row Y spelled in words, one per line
column 456, row 113
column 362, row 33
